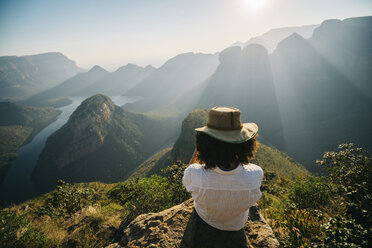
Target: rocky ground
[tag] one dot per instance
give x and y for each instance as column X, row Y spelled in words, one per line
column 173, row 228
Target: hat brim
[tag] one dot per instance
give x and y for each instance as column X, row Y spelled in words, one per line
column 247, row 132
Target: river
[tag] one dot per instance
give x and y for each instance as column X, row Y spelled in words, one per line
column 17, row 186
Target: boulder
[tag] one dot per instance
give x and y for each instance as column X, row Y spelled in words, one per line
column 175, row 227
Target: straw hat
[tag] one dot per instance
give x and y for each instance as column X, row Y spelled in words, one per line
column 224, row 124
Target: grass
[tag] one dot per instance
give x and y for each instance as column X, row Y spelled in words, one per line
column 11, row 139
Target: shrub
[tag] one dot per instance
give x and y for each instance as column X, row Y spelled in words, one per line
column 344, row 232
column 348, row 166
column 295, row 227
column 142, row 196
column 16, row 231
column 351, row 169
column 153, row 194
column 311, row 192
column 174, row 174
column 66, row 200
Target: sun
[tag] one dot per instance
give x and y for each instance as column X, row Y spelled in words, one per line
column 254, row 5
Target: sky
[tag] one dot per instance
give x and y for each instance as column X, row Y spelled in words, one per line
column 112, row 33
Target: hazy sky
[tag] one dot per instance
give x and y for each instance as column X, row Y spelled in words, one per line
column 115, row 32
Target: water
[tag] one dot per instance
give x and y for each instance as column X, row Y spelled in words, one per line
column 17, row 186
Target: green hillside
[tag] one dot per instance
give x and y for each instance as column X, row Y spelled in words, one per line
column 154, row 164
column 34, row 117
column 11, row 139
column 18, row 125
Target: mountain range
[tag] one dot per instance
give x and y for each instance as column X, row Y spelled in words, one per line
column 310, row 94
column 21, row 77
column 322, row 104
column 271, row 38
column 307, row 97
column 176, row 76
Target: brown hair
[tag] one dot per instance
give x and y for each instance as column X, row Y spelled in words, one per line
column 213, row 152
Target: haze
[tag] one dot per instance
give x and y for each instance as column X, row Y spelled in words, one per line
column 112, row 33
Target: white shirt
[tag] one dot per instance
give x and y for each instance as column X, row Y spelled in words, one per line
column 223, row 198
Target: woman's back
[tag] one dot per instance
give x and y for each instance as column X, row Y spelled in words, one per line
column 222, row 198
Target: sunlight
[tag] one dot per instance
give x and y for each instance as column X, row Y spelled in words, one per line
column 254, row 5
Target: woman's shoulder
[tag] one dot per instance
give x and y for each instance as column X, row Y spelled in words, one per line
column 194, row 167
column 253, row 169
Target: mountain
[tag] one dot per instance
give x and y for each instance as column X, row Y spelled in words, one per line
column 244, row 80
column 176, row 76
column 18, row 125
column 270, row 159
column 118, row 82
column 68, row 88
column 270, row 39
column 100, row 142
column 346, row 45
column 321, row 104
column 20, row 77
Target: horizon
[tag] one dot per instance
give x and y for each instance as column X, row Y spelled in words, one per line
column 115, row 33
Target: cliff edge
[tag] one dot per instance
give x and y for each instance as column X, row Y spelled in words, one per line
column 173, row 228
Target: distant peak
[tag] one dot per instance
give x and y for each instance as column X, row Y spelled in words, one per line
column 255, row 46
column 294, row 41
column 97, row 68
column 230, row 55
column 96, row 105
column 238, row 43
column 150, row 67
column 99, row 97
column 133, row 67
column 293, row 38
column 47, row 54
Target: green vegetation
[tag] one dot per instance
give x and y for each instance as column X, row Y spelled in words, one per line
column 11, row 139
column 154, row 164
column 150, row 194
column 35, row 117
column 89, row 214
column 18, row 125
column 66, row 200
column 329, row 211
column 49, row 102
column 16, row 231
column 272, row 159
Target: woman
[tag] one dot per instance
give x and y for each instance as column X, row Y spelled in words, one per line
column 223, row 184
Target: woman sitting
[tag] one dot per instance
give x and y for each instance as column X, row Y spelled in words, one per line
column 223, row 184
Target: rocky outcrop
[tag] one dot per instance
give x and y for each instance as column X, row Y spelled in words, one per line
column 174, row 228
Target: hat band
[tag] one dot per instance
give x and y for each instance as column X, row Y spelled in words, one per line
column 225, row 128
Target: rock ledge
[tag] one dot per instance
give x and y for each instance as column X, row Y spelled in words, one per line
column 168, row 229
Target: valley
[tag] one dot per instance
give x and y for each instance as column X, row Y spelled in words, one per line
column 16, row 185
